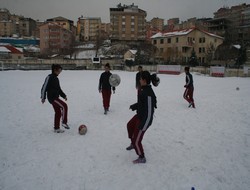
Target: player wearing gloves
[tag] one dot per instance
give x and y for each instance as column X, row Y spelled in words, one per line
column 145, row 106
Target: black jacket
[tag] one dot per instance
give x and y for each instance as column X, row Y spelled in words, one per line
column 104, row 81
column 52, row 88
column 189, row 80
column 145, row 107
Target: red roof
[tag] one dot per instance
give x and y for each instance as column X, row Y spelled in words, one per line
column 13, row 49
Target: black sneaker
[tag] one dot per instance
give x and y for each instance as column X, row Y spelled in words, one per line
column 130, row 147
column 140, row 160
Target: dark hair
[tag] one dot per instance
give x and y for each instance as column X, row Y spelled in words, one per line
column 55, row 67
column 107, row 65
column 139, row 67
column 186, row 68
column 145, row 75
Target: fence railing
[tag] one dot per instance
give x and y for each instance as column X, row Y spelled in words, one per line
column 116, row 64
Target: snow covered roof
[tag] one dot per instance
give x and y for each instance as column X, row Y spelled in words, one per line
column 237, row 46
column 174, row 33
column 133, row 51
column 4, row 50
column 181, row 33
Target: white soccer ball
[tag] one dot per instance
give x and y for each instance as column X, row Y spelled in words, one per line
column 114, row 80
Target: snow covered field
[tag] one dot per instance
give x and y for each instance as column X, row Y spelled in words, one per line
column 207, row 148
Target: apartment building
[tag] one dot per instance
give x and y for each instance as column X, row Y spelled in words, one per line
column 128, row 23
column 63, row 22
column 153, row 27
column 177, row 46
column 15, row 25
column 157, row 23
column 4, row 14
column 89, row 28
column 234, row 21
column 7, row 28
column 54, row 39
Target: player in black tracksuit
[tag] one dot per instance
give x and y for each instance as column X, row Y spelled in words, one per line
column 145, row 106
column 105, row 88
column 52, row 88
column 188, row 93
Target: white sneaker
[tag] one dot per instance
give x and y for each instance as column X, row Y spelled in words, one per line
column 66, row 126
column 59, row 131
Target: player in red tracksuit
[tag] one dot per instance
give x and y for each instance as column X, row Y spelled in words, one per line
column 52, row 88
column 143, row 119
column 105, row 88
column 188, row 94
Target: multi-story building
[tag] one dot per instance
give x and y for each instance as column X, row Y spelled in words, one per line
column 234, row 21
column 177, row 46
column 54, row 39
column 89, row 28
column 26, row 26
column 63, row 22
column 4, row 14
column 14, row 24
column 153, row 27
column 157, row 23
column 7, row 28
column 128, row 23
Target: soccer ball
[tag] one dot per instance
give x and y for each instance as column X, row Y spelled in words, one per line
column 237, row 88
column 114, row 80
column 82, row 129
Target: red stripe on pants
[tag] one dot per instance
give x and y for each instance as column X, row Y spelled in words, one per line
column 61, row 110
column 106, row 95
column 188, row 95
column 135, row 134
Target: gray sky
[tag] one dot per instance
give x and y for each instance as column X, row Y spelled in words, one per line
column 73, row 9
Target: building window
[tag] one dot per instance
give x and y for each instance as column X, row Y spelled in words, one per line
column 161, row 41
column 155, row 42
column 169, row 40
column 177, row 40
column 201, row 50
column 202, row 40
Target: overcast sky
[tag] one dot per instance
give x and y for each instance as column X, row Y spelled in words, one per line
column 73, row 9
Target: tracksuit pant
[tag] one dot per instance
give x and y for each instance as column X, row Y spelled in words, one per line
column 188, row 95
column 136, row 135
column 106, row 95
column 61, row 111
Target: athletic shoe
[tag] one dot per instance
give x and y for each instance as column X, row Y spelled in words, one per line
column 130, row 147
column 59, row 131
column 140, row 160
column 105, row 111
column 193, row 105
column 66, row 126
column 190, row 104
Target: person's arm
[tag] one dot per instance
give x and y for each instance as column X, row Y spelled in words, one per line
column 44, row 89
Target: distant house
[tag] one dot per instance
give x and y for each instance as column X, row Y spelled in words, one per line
column 10, row 52
column 130, row 55
column 177, row 46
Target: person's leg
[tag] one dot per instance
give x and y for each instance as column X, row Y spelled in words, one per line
column 64, row 110
column 57, row 118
